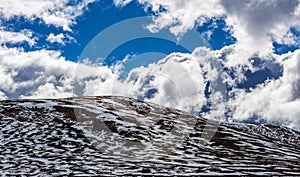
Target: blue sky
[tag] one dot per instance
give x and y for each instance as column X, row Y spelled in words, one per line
column 214, row 58
column 101, row 15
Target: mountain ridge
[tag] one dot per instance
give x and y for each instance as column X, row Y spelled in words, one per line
column 109, row 135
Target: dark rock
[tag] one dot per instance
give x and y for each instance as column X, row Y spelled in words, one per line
column 109, row 136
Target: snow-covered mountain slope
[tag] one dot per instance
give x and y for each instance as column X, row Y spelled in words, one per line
column 121, row 136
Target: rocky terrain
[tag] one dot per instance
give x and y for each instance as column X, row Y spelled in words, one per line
column 109, row 136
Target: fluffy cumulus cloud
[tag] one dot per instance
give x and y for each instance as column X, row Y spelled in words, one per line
column 276, row 101
column 60, row 38
column 254, row 23
column 257, row 23
column 60, row 13
column 43, row 74
column 180, row 16
column 16, row 37
column 173, row 81
column 184, row 81
column 26, row 73
column 179, row 80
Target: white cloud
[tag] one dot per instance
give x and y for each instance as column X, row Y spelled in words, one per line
column 180, row 16
column 275, row 100
column 179, row 81
column 53, row 12
column 254, row 23
column 121, row 3
column 3, row 96
column 56, row 38
column 26, row 74
column 288, row 39
column 16, row 37
column 297, row 11
column 23, row 72
column 49, row 90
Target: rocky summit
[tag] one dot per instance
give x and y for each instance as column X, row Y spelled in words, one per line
column 118, row 136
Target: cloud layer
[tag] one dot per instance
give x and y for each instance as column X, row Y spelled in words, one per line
column 204, row 79
column 256, row 24
column 275, row 100
column 16, row 37
column 60, row 13
column 179, row 80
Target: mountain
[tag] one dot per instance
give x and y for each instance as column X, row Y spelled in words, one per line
column 109, row 136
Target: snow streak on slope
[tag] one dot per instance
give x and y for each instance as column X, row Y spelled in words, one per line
column 123, row 136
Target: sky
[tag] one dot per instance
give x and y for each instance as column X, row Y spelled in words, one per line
column 230, row 60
